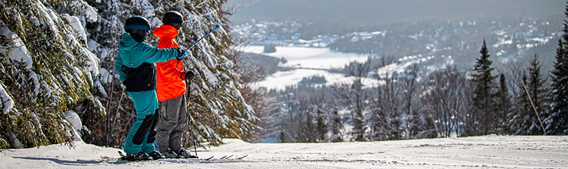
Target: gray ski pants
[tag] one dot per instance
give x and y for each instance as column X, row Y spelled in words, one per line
column 172, row 123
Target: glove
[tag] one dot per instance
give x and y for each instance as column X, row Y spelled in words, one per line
column 182, row 54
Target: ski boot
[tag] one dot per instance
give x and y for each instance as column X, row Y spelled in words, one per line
column 136, row 157
column 155, row 155
column 170, row 154
column 184, row 154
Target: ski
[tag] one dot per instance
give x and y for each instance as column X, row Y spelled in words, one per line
column 242, row 157
column 230, row 157
column 226, row 157
column 209, row 158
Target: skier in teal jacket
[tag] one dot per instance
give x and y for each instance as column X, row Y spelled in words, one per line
column 135, row 66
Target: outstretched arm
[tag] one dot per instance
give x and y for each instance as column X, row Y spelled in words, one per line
column 153, row 55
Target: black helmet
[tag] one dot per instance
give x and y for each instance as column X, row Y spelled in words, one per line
column 173, row 18
column 136, row 23
column 138, row 27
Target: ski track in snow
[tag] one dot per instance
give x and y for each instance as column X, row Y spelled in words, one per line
column 473, row 152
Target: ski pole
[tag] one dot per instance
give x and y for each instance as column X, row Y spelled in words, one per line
column 193, row 137
column 215, row 28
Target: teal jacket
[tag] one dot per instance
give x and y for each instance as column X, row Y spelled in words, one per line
column 132, row 54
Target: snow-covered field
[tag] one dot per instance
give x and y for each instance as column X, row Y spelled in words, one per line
column 473, row 152
column 310, row 61
column 307, row 62
column 281, row 79
column 308, row 57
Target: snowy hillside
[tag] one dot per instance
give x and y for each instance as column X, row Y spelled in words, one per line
column 432, row 45
column 512, row 40
column 505, row 152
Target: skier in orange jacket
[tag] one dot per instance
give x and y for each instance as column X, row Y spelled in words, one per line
column 171, row 89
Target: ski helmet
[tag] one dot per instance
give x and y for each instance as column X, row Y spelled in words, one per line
column 138, row 27
column 137, row 23
column 173, row 18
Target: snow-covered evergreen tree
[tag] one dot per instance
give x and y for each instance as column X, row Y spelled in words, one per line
column 336, row 127
column 321, row 125
column 503, row 105
column 557, row 122
column 537, row 90
column 483, row 113
column 517, row 117
column 57, row 56
column 527, row 119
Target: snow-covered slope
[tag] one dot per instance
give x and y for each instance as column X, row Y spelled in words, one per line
column 462, row 153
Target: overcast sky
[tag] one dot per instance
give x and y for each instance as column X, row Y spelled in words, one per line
column 361, row 12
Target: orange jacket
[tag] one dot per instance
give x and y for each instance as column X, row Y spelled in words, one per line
column 170, row 81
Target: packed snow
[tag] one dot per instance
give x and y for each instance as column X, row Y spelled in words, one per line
column 462, row 153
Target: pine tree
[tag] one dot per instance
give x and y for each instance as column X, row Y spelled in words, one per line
column 531, row 102
column 358, row 125
column 358, row 99
column 377, row 121
column 503, row 105
column 557, row 122
column 519, row 119
column 308, row 131
column 336, row 127
column 483, row 112
column 282, row 137
column 321, row 126
column 537, row 92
